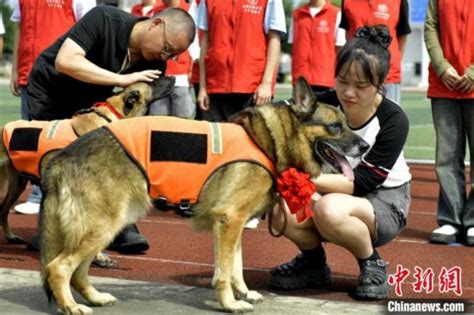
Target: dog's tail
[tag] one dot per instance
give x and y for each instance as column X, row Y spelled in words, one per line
column 51, row 236
column 4, row 171
column 4, row 162
column 11, row 186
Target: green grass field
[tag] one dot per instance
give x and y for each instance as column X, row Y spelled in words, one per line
column 420, row 144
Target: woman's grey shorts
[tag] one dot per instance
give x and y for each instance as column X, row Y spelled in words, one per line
column 391, row 210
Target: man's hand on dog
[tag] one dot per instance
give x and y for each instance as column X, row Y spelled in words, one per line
column 142, row 76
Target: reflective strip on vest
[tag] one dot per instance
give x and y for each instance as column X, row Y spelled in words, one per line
column 178, row 169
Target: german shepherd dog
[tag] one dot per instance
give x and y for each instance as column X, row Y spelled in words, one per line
column 130, row 102
column 80, row 215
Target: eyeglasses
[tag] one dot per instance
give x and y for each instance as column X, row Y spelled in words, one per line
column 166, row 48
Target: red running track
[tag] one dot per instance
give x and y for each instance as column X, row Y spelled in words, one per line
column 181, row 256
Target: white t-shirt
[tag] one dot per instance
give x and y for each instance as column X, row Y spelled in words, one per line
column 146, row 9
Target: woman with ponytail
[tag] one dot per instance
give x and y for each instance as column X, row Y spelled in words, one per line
column 369, row 209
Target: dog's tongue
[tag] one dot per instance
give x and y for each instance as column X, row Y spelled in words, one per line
column 345, row 166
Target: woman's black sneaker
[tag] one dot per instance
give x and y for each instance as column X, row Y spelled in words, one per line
column 372, row 283
column 299, row 273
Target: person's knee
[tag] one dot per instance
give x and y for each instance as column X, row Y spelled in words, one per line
column 325, row 211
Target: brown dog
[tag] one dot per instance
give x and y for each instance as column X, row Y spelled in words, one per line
column 131, row 102
column 80, row 215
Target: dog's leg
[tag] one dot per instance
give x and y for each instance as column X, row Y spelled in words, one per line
column 80, row 282
column 59, row 273
column 227, row 232
column 14, row 188
column 241, row 290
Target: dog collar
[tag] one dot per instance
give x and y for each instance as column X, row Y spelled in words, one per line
column 110, row 107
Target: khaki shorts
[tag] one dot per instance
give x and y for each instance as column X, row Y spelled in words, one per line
column 391, row 210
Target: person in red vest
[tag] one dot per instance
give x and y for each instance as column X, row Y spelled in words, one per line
column 392, row 13
column 316, row 37
column 240, row 50
column 449, row 39
column 145, row 8
column 179, row 103
column 39, row 24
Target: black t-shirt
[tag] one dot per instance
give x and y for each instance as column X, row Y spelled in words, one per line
column 104, row 34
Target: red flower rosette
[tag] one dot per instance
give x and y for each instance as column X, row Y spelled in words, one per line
column 296, row 189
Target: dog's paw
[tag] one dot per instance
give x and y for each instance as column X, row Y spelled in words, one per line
column 77, row 309
column 253, row 297
column 103, row 299
column 238, row 307
column 103, row 261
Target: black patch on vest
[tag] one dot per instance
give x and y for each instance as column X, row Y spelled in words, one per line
column 178, row 147
column 25, row 139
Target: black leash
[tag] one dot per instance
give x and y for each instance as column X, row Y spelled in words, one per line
column 270, row 220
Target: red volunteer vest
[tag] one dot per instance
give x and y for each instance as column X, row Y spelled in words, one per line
column 314, row 45
column 42, row 22
column 456, row 35
column 237, row 48
column 372, row 12
column 177, row 156
column 26, row 142
column 182, row 64
column 195, row 66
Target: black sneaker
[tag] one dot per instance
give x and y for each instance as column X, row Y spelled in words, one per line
column 129, row 241
column 299, row 273
column 372, row 281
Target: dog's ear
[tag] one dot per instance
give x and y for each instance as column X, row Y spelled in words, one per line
column 130, row 100
column 305, row 100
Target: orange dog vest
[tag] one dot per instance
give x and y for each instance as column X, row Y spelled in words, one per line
column 177, row 156
column 26, row 142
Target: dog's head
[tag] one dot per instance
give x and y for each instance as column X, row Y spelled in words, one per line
column 303, row 133
column 135, row 99
column 326, row 130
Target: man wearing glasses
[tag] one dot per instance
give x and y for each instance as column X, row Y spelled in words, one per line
column 105, row 49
